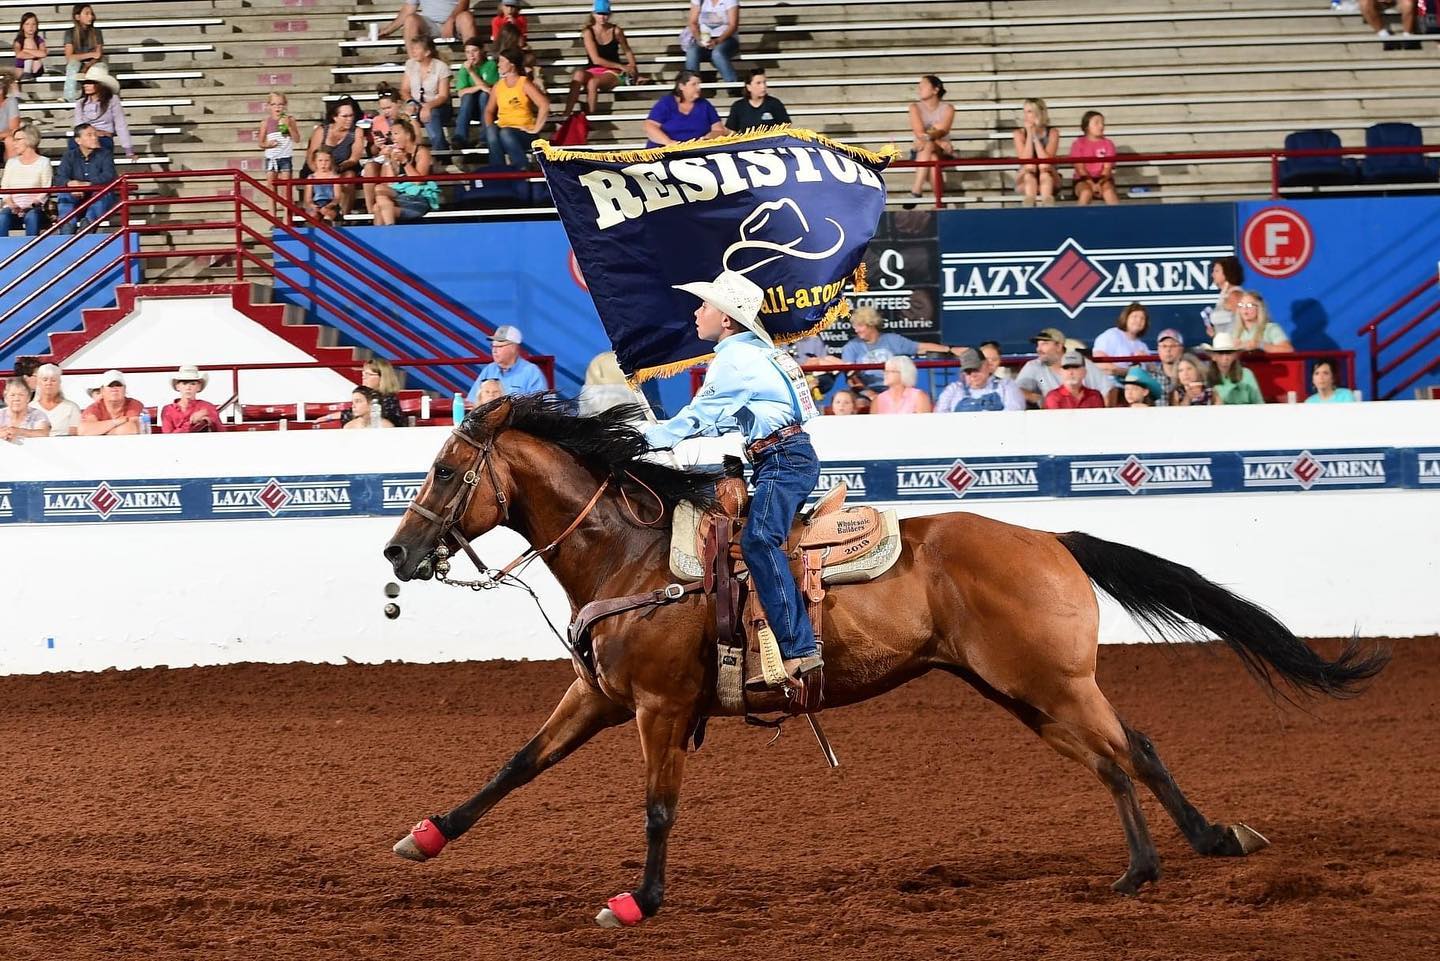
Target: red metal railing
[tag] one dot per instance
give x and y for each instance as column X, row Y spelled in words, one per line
column 1393, row 360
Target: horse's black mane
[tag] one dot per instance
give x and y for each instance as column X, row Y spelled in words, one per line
column 606, row 439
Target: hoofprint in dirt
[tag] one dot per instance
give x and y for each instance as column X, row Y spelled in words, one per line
column 248, row 811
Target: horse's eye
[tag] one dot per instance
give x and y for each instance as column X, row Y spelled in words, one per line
column 443, row 473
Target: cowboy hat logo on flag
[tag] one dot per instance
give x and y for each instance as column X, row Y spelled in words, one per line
column 788, row 209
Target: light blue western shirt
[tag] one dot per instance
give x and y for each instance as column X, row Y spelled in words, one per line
column 743, row 390
column 523, row 377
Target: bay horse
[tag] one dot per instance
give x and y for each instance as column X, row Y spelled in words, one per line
column 1011, row 611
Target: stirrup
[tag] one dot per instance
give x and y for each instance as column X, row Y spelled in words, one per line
column 772, row 664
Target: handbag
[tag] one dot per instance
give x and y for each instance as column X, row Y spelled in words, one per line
column 574, row 131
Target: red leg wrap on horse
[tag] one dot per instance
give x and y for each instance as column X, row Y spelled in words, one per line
column 625, row 908
column 428, row 838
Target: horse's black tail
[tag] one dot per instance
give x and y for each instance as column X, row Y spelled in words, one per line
column 1169, row 599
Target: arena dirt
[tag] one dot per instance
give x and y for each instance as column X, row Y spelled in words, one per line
column 247, row 812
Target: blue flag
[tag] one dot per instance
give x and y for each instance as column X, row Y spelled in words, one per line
column 788, row 208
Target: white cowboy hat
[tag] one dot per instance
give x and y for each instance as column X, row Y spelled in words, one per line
column 736, row 296
column 189, row 372
column 98, row 74
column 1224, row 342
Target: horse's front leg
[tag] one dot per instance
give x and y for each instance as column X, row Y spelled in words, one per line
column 662, row 739
column 581, row 714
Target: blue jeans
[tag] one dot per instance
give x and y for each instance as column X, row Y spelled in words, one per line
column 64, row 203
column 719, row 55
column 440, row 118
column 472, row 108
column 784, row 475
column 509, row 146
column 33, row 218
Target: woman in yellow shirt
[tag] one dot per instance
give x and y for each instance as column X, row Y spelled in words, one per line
column 515, row 115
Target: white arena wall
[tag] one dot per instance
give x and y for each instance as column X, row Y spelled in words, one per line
column 144, row 587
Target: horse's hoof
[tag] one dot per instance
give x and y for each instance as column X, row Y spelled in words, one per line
column 620, row 912
column 1248, row 839
column 606, row 919
column 422, row 843
column 1133, row 880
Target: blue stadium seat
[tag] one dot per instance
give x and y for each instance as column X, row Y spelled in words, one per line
column 1315, row 171
column 1397, row 168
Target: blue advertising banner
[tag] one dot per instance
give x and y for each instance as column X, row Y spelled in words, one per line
column 1006, row 274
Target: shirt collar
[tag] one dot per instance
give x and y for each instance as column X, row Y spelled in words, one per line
column 745, row 336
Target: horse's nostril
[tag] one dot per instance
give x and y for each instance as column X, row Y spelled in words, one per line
column 395, row 554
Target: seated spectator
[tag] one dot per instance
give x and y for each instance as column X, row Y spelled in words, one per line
column 1375, row 17
column 1072, row 391
column 930, row 121
column 472, row 83
column 9, row 109
column 843, row 404
column 1324, row 379
column 1254, row 330
column 378, row 135
column 870, row 346
column 978, row 389
column 433, row 19
column 1124, row 339
column 64, row 415
column 682, row 115
column 1191, row 383
column 1036, row 139
column 380, row 376
column 1169, row 345
column 1231, row 382
column 85, row 163
column 321, row 201
column 18, row 419
column 30, row 48
column 605, row 386
column 757, row 108
column 113, row 413
column 510, row 38
column 1041, row 376
column 900, row 395
column 341, row 139
column 995, row 360
column 1095, row 178
column 515, row 373
column 84, row 46
column 100, row 105
column 365, row 410
column 509, row 15
column 425, row 88
column 188, row 414
column 25, row 169
column 1227, row 274
column 1141, row 390
column 516, row 113
column 407, row 200
column 611, row 61
column 27, row 368
column 490, row 390
column 712, row 34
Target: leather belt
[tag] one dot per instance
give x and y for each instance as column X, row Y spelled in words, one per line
column 765, row 443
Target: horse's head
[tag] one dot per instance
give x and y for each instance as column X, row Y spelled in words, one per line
column 468, row 491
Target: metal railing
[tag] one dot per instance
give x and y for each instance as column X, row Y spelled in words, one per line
column 1388, row 355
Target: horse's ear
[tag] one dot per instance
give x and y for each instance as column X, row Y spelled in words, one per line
column 499, row 417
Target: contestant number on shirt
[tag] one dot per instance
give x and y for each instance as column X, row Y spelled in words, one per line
column 799, row 386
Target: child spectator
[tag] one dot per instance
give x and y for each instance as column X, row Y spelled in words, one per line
column 901, row 396
column 757, row 108
column 365, row 410
column 1191, row 387
column 711, row 35
column 86, row 163
column 99, row 105
column 18, row 419
column 1227, row 274
column 1096, row 178
column 9, row 109
column 277, row 138
column 842, row 404
column 473, row 81
column 1123, row 340
column 321, row 201
column 188, row 414
column 406, row 200
column 930, row 120
column 611, row 61
column 1254, row 330
column 84, row 46
column 490, row 389
column 1036, row 139
column 1141, row 390
column 978, row 389
column 511, row 39
column 113, row 413
column 515, row 115
column 30, row 48
column 64, row 415
column 436, row 19
column 1324, row 379
column 1375, row 17
column 426, row 89
column 682, row 114
column 25, row 169
column 509, row 15
column 1072, row 392
column 341, row 139
column 1231, row 382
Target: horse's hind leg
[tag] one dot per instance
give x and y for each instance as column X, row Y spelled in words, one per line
column 581, row 714
column 1214, row 840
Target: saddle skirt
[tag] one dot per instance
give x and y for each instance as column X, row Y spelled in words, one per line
column 857, row 543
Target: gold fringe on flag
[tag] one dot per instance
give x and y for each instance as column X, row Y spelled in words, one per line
column 649, row 154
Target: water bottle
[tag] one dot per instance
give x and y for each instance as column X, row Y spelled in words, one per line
column 424, row 406
column 144, row 421
column 457, row 409
column 375, row 413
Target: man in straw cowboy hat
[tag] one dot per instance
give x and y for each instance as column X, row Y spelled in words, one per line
column 189, row 414
column 757, row 388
